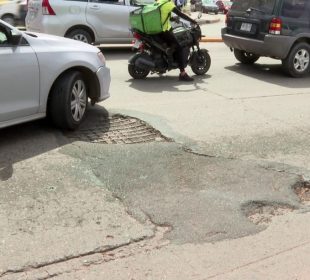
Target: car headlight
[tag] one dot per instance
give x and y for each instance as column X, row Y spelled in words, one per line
column 101, row 57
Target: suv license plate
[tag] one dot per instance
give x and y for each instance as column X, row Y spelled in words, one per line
column 246, row 27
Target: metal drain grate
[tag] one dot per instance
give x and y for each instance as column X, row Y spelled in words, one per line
column 117, row 129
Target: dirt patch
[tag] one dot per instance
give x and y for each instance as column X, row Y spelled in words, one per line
column 261, row 212
column 303, row 191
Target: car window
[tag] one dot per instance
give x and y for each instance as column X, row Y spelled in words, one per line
column 295, row 9
column 140, row 2
column 116, row 2
column 266, row 6
column 210, row 2
column 3, row 36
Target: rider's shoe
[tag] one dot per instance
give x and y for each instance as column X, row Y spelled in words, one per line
column 185, row 77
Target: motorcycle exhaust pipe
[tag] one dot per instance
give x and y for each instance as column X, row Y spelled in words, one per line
column 145, row 64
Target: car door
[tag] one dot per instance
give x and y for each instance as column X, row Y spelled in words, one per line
column 109, row 18
column 19, row 77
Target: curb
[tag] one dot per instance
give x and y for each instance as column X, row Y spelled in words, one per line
column 208, row 21
column 211, row 40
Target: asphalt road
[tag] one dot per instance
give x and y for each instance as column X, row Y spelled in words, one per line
column 239, row 147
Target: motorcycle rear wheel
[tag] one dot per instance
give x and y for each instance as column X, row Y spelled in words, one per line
column 200, row 62
column 136, row 72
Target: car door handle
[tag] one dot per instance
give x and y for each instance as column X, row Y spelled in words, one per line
column 95, row 7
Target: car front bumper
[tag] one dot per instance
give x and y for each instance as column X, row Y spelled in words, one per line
column 104, row 78
column 210, row 9
column 276, row 46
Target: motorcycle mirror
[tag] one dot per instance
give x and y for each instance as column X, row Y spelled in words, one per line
column 199, row 15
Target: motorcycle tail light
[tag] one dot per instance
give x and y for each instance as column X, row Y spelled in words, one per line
column 136, row 35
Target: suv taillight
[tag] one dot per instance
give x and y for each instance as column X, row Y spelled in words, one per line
column 275, row 26
column 47, row 9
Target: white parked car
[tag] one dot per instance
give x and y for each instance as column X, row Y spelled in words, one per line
column 91, row 21
column 13, row 11
column 43, row 75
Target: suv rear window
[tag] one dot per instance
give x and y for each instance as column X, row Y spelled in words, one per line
column 295, row 9
column 263, row 6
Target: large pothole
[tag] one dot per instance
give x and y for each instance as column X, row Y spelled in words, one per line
column 116, row 129
column 262, row 212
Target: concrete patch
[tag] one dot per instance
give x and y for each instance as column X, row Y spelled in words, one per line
column 200, row 197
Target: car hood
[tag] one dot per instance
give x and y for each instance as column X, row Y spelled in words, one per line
column 39, row 40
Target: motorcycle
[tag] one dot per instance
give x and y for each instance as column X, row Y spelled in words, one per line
column 154, row 56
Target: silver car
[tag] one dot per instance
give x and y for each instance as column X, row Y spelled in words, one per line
column 90, row 21
column 11, row 11
column 43, row 75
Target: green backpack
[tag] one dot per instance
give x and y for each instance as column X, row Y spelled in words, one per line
column 148, row 18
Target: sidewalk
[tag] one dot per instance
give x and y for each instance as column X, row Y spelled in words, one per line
column 280, row 252
column 207, row 19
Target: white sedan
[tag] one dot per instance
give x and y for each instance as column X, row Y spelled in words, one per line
column 44, row 75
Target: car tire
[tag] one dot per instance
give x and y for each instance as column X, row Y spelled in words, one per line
column 9, row 19
column 245, row 57
column 80, row 35
column 68, row 101
column 297, row 63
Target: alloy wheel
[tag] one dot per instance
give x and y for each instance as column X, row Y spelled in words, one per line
column 301, row 60
column 78, row 100
column 80, row 37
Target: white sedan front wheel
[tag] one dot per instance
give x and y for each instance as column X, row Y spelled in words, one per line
column 68, row 101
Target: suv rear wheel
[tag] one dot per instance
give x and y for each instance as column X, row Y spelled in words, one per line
column 245, row 57
column 298, row 60
column 80, row 35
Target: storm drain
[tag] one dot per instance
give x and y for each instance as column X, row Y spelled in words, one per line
column 261, row 213
column 117, row 129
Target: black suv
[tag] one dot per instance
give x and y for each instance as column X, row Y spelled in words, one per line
column 274, row 28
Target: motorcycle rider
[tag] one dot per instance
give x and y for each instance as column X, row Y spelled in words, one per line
column 181, row 53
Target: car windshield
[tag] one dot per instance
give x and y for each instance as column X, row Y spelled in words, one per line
column 208, row 2
column 141, row 2
column 264, row 6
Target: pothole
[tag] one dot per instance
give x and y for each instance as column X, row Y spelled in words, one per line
column 116, row 129
column 261, row 212
column 302, row 189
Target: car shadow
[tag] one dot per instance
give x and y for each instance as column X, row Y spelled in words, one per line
column 116, row 52
column 24, row 141
column 270, row 73
column 160, row 83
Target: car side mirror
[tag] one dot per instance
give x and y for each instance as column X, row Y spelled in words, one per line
column 15, row 39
